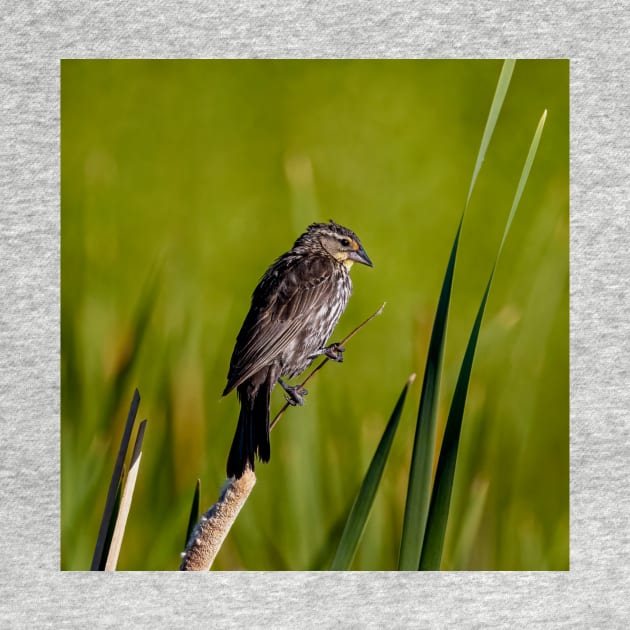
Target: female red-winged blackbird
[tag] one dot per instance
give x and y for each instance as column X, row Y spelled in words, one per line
column 294, row 309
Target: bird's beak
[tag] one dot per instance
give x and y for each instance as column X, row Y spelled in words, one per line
column 361, row 257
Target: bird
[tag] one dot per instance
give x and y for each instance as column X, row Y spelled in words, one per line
column 294, row 309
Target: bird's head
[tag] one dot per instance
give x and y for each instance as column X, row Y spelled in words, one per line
column 337, row 241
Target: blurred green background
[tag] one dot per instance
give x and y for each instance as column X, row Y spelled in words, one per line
column 194, row 176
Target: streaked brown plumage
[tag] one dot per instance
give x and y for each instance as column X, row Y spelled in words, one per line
column 294, row 310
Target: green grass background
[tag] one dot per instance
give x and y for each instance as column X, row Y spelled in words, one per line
column 200, row 173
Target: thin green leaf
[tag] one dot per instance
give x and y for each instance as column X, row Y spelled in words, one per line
column 419, row 487
column 442, row 488
column 523, row 179
column 477, row 496
column 323, row 556
column 194, row 512
column 357, row 519
column 495, row 109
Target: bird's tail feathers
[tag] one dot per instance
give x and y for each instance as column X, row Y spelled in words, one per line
column 241, row 452
column 261, row 421
column 252, row 431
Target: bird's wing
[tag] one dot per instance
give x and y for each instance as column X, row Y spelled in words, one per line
column 287, row 294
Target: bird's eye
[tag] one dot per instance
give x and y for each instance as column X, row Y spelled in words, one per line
column 345, row 242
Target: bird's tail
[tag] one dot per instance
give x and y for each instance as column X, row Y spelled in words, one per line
column 252, row 431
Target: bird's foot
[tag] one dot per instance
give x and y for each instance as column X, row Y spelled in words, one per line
column 334, row 352
column 295, row 393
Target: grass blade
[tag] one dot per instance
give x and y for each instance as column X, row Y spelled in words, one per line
column 194, row 513
column 445, row 473
column 100, row 552
column 471, row 523
column 360, row 511
column 111, row 525
column 419, row 487
column 495, row 109
column 323, row 557
column 125, row 501
column 443, row 485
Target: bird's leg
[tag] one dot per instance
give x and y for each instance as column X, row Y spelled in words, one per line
column 295, row 393
column 334, row 352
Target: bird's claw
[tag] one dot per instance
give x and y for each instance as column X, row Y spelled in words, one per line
column 295, row 395
column 334, row 352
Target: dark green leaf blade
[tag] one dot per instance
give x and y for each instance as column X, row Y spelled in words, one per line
column 442, row 489
column 194, row 512
column 443, row 485
column 360, row 511
column 108, row 520
column 419, row 487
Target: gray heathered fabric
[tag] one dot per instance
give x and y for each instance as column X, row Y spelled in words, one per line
column 35, row 35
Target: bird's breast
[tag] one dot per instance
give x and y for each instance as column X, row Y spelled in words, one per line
column 317, row 326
